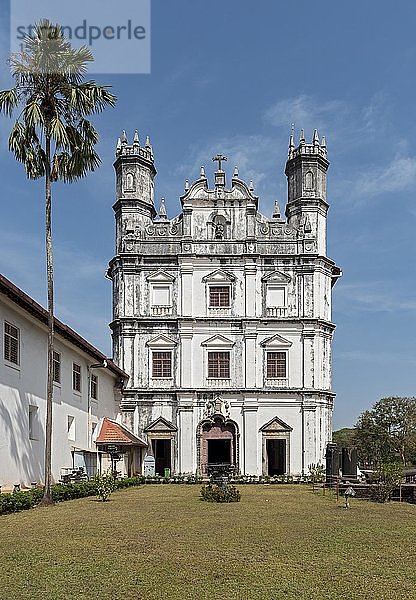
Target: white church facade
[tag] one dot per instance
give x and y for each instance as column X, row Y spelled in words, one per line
column 222, row 317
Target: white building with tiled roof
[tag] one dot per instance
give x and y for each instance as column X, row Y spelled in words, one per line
column 87, row 387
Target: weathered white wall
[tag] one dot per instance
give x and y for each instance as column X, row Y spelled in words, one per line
column 254, row 252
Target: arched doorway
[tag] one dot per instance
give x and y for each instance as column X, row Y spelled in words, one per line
column 217, row 443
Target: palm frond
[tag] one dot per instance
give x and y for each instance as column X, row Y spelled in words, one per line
column 49, row 83
column 8, row 101
column 58, row 132
column 33, row 114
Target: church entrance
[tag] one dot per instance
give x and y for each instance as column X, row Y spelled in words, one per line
column 162, row 453
column 276, row 447
column 217, row 443
column 219, row 452
column 276, row 456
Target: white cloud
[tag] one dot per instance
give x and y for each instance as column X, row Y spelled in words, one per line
column 398, row 175
column 307, row 112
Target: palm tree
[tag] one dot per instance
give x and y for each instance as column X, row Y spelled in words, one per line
column 54, row 140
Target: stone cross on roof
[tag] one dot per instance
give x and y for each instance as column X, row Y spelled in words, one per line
column 220, row 158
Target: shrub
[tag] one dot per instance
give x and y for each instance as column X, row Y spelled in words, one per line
column 105, row 485
column 10, row 503
column 215, row 493
column 387, row 477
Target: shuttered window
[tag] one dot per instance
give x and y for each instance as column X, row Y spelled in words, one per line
column 76, row 377
column 57, row 367
column 11, row 343
column 94, row 387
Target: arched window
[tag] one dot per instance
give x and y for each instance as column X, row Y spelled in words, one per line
column 309, row 181
column 129, row 181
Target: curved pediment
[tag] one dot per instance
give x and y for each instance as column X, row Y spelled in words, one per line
column 161, row 341
column 276, row 341
column 276, row 277
column 239, row 191
column 218, row 341
column 218, row 276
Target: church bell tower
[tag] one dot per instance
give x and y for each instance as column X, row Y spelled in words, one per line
column 306, row 170
column 135, row 172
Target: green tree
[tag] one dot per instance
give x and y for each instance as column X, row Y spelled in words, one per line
column 387, row 476
column 344, row 438
column 387, row 431
column 54, row 140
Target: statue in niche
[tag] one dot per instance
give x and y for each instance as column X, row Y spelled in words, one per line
column 209, row 407
column 219, row 225
column 219, row 231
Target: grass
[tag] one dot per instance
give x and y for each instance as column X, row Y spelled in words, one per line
column 156, row 542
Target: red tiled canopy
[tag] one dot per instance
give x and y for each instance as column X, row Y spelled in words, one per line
column 114, row 433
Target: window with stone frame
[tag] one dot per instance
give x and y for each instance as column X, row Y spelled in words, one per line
column 276, row 365
column 11, row 343
column 219, row 365
column 94, row 387
column 161, row 294
column 76, row 377
column 162, row 364
column 56, row 367
column 219, row 296
column 276, row 296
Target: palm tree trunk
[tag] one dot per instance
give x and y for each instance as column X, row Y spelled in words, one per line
column 47, row 496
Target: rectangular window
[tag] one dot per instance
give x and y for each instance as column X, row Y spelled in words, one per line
column 276, row 365
column 56, row 367
column 219, row 365
column 161, row 295
column 162, row 364
column 33, row 422
column 275, row 296
column 94, row 386
column 11, row 343
column 71, row 427
column 76, row 377
column 219, row 296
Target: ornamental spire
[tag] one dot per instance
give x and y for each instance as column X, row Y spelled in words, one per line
column 163, row 215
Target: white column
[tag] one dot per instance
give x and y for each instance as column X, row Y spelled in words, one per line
column 250, row 291
column 249, row 439
column 185, row 358
column 250, row 359
column 308, row 358
column 186, row 290
column 187, row 437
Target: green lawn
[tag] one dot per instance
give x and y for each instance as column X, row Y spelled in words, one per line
column 161, row 541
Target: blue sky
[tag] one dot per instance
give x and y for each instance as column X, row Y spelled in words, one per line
column 231, row 77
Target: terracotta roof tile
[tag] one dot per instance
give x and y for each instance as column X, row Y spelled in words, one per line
column 114, row 433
